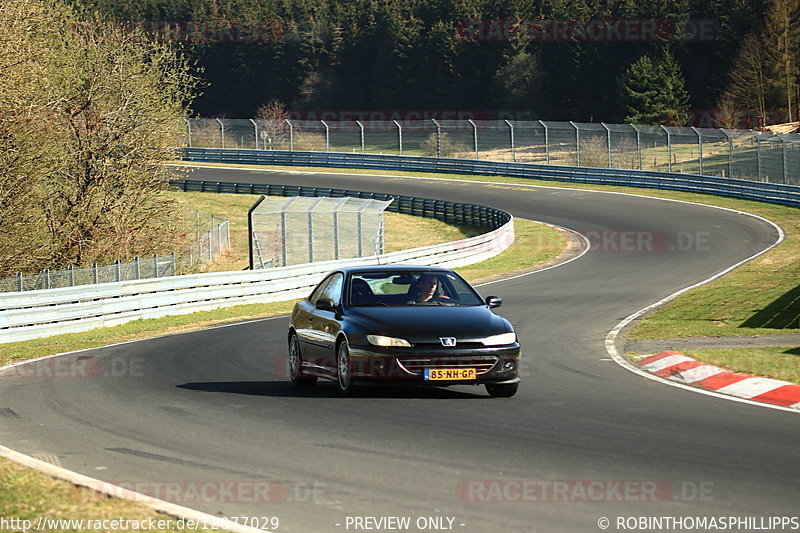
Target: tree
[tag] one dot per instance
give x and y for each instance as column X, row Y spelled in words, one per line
column 655, row 92
column 273, row 130
column 89, row 113
column 25, row 26
column 749, row 84
column 781, row 50
column 520, row 81
column 116, row 100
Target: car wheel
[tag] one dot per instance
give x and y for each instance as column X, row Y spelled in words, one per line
column 296, row 364
column 506, row 390
column 344, row 372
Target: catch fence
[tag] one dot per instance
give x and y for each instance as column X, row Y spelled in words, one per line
column 743, row 154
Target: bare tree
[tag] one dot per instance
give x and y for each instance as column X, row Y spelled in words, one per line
column 273, row 130
column 25, row 27
column 88, row 113
column 782, row 46
column 749, row 80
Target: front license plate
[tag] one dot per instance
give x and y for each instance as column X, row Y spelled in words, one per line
column 435, row 374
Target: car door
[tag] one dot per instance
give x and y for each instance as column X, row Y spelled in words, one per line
column 308, row 334
column 325, row 323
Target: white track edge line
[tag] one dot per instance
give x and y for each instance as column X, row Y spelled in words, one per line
column 201, row 518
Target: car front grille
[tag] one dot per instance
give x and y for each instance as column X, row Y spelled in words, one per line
column 417, row 365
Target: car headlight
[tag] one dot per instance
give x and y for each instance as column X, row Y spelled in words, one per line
column 503, row 338
column 380, row 340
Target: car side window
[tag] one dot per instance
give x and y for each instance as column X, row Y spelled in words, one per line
column 333, row 289
column 320, row 290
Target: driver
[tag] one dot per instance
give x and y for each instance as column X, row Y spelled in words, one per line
column 426, row 288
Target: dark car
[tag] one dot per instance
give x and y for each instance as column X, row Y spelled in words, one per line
column 409, row 324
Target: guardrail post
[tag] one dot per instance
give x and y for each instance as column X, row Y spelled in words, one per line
column 255, row 131
column 699, row 147
column 46, row 276
column 360, row 125
column 669, row 148
column 136, row 268
column 155, row 265
column 173, row 263
column 546, row 142
column 189, row 127
column 19, row 281
column 221, row 133
column 513, row 145
column 327, row 136
column 291, row 134
column 577, row 144
column 438, row 138
column 117, row 270
column 399, row 136
column 71, row 275
column 95, row 277
column 474, row 136
column 608, row 142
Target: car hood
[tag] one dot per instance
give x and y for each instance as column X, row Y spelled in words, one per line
column 428, row 323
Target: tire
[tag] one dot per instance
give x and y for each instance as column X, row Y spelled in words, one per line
column 296, row 365
column 344, row 372
column 506, row 390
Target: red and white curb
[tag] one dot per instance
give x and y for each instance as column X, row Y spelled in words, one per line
column 678, row 367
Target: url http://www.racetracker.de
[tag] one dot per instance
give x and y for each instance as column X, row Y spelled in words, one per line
column 44, row 523
column 699, row 523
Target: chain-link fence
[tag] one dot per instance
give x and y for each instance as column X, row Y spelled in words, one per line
column 212, row 238
column 744, row 154
column 296, row 230
column 140, row 268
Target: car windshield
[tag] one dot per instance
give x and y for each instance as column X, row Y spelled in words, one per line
column 401, row 288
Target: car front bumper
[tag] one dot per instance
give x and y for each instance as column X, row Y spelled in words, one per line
column 496, row 365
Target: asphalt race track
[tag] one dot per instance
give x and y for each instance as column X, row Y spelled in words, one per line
column 583, row 439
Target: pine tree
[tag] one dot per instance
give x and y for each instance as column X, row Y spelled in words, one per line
column 655, row 92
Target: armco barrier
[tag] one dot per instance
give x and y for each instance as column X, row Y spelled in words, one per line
column 33, row 314
column 736, row 188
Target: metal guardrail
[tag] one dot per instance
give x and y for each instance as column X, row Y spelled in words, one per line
column 42, row 313
column 750, row 190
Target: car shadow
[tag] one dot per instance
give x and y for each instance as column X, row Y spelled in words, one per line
column 284, row 389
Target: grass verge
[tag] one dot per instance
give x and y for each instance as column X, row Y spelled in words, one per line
column 775, row 362
column 26, row 494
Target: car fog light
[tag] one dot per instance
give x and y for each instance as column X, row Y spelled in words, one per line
column 508, row 365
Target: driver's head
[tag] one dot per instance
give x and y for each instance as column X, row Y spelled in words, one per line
column 427, row 285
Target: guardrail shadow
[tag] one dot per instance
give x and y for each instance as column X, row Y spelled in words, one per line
column 783, row 313
column 324, row 389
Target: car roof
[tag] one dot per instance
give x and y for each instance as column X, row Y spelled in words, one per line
column 394, row 268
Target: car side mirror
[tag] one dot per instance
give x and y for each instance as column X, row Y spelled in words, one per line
column 494, row 301
column 325, row 304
